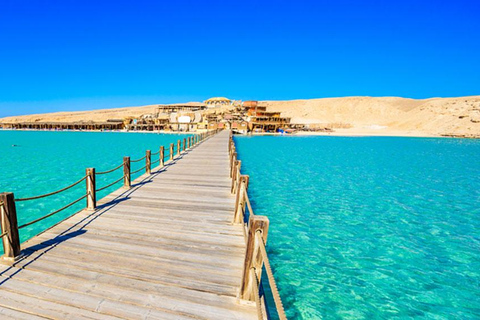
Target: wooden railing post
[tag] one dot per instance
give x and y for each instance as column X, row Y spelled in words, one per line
column 148, row 162
column 236, row 175
column 240, row 200
column 162, row 156
column 184, row 144
column 91, row 189
column 127, row 182
column 8, row 212
column 253, row 256
column 179, row 147
column 171, row 150
column 233, row 158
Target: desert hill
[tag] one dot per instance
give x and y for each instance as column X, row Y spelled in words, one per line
column 349, row 115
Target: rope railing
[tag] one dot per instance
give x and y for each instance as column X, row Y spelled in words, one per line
column 253, row 274
column 271, row 279
column 247, row 200
column 255, row 229
column 52, row 213
column 138, row 160
column 111, row 184
column 8, row 201
column 137, row 171
column 111, row 170
column 51, row 193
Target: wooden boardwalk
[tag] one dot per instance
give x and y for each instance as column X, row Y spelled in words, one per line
column 164, row 249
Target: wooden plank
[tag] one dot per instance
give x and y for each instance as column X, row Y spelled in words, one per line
column 164, row 249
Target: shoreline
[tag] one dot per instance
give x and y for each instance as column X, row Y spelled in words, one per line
column 104, row 131
column 339, row 133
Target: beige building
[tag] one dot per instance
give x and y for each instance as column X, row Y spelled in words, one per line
column 218, row 102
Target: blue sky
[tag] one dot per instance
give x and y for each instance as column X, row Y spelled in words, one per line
column 81, row 55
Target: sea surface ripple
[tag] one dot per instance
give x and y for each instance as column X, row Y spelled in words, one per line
column 370, row 227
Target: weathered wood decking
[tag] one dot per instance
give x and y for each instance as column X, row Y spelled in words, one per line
column 165, row 249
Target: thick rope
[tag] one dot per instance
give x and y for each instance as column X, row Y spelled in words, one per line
column 3, row 234
column 256, row 293
column 105, row 172
column 51, row 193
column 142, row 168
column 138, row 159
column 155, row 153
column 111, row 184
column 51, row 214
column 155, row 161
column 271, row 279
column 249, row 205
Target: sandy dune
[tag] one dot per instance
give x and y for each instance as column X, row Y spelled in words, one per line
column 388, row 115
column 349, row 115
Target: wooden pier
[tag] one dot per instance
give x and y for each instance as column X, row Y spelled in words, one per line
column 176, row 243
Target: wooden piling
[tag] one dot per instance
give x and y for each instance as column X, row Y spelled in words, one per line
column 8, row 221
column 236, row 175
column 148, row 162
column 91, row 189
column 233, row 158
column 171, row 150
column 253, row 256
column 162, row 156
column 127, row 181
column 179, row 147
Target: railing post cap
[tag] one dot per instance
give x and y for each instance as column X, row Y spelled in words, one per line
column 259, row 219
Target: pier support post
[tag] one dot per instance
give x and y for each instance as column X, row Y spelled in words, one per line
column 240, row 201
column 162, row 156
column 179, row 147
column 148, row 162
column 236, row 175
column 11, row 240
column 184, row 144
column 127, row 182
column 253, row 256
column 171, row 150
column 91, row 189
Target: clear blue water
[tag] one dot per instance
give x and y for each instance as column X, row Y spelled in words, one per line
column 43, row 162
column 370, row 227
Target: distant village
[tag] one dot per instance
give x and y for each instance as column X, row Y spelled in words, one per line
column 242, row 117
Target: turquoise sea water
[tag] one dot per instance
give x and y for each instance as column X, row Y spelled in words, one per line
column 42, row 162
column 370, row 227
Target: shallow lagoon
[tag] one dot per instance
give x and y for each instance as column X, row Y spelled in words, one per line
column 43, row 161
column 370, row 227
